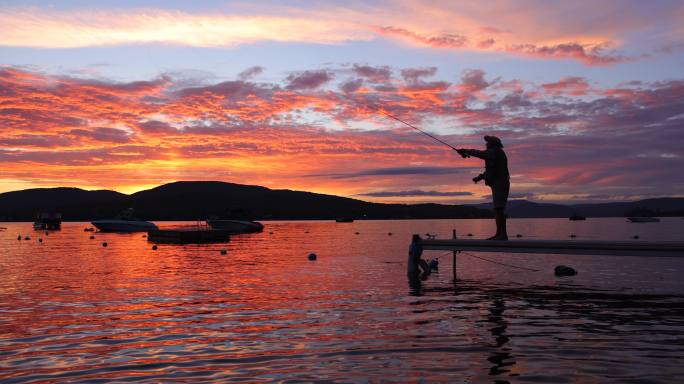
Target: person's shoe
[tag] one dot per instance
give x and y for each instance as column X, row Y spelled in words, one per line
column 493, row 237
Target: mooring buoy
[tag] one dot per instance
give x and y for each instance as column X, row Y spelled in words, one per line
column 144, row 236
column 270, row 233
column 92, row 237
column 470, row 235
column 224, row 252
column 389, row 233
column 19, row 237
column 635, row 237
column 312, row 256
column 564, row 270
column 572, row 235
column 154, row 247
column 518, row 235
column 104, row 244
column 27, row 238
column 356, row 233
column 40, row 240
column 47, row 233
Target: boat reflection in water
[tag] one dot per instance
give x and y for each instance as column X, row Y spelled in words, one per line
column 124, row 222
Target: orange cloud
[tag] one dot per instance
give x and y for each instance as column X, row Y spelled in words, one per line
column 58, row 130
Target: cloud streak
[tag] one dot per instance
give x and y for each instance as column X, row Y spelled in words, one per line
column 454, row 26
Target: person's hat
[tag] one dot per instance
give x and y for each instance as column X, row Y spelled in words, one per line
column 494, row 140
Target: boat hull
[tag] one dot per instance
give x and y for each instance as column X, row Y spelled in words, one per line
column 236, row 226
column 643, row 219
column 123, row 226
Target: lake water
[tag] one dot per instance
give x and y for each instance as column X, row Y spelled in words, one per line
column 72, row 310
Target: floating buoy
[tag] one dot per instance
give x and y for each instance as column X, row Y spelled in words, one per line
column 572, row 235
column 154, row 247
column 27, row 238
column 224, row 252
column 306, row 231
column 433, row 264
column 518, row 235
column 312, row 256
column 356, row 233
column 104, row 244
column 270, row 233
column 564, row 270
column 389, row 233
column 19, row 237
column 144, row 236
column 635, row 237
column 47, row 233
column 470, row 235
column 92, row 237
column 40, row 240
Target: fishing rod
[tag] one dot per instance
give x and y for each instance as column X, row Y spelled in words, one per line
column 403, row 122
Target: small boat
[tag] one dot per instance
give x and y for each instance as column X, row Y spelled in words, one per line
column 124, row 222
column 48, row 222
column 344, row 220
column 236, row 226
column 640, row 219
column 577, row 217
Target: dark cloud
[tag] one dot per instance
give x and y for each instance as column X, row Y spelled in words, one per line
column 251, row 72
column 111, row 135
column 155, row 126
column 473, row 80
column 308, row 80
column 351, row 85
column 380, row 74
column 413, row 75
column 415, row 192
column 396, row 171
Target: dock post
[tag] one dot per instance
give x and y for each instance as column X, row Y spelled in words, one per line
column 415, row 251
column 453, row 264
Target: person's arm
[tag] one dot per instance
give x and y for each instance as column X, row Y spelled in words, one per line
column 475, row 152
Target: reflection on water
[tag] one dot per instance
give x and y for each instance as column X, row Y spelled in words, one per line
column 72, row 310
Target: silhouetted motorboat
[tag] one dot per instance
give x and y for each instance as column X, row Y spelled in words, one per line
column 124, row 222
column 639, row 219
column 236, row 226
column 344, row 220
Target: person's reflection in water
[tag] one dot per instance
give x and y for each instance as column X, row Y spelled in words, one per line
column 501, row 357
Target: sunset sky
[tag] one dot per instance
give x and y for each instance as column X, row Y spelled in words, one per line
column 587, row 96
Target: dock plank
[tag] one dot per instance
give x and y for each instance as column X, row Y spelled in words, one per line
column 576, row 247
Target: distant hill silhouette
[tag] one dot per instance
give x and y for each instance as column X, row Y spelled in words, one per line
column 667, row 206
column 204, row 199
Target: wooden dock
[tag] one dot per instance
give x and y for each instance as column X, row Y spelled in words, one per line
column 572, row 247
column 418, row 266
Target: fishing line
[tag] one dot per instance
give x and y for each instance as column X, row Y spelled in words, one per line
column 500, row 263
column 399, row 120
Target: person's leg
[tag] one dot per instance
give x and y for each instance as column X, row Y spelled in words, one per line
column 500, row 217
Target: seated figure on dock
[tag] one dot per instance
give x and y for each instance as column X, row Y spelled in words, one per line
column 496, row 177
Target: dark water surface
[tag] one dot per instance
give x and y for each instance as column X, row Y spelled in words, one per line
column 74, row 311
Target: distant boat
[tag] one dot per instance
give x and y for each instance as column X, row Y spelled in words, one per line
column 577, row 217
column 48, row 221
column 124, row 222
column 236, row 226
column 639, row 219
column 344, row 220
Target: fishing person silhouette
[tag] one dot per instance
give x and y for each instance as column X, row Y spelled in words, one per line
column 496, row 177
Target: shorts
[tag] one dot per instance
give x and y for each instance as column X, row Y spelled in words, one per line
column 500, row 193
